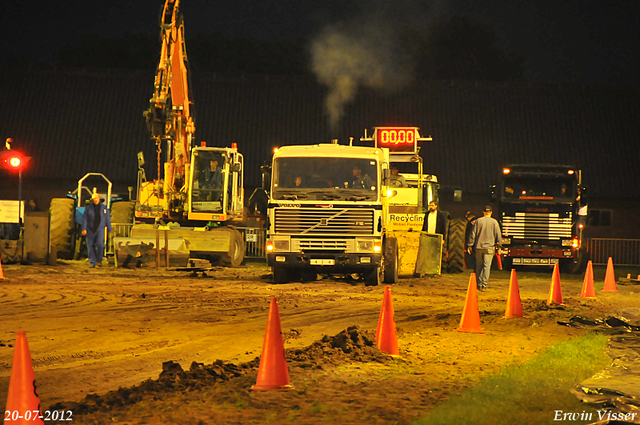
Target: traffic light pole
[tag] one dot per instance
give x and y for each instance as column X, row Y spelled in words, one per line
column 20, row 222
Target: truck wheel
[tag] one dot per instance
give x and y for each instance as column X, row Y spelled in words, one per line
column 373, row 277
column 281, row 274
column 576, row 265
column 122, row 213
column 237, row 257
column 391, row 260
column 308, row 275
column 62, row 223
column 456, row 245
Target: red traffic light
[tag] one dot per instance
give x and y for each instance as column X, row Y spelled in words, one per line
column 12, row 160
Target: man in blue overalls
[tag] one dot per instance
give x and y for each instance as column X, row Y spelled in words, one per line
column 94, row 220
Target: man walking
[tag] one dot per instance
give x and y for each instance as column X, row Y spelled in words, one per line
column 485, row 237
column 94, row 221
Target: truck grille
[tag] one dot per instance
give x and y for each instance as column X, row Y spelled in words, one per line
column 312, row 221
column 537, row 226
column 322, row 245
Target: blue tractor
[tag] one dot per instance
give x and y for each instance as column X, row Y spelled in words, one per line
column 65, row 218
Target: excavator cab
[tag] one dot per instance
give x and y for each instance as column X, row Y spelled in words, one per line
column 216, row 190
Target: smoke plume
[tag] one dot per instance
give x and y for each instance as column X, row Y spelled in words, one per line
column 361, row 54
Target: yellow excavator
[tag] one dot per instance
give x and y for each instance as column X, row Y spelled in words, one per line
column 198, row 196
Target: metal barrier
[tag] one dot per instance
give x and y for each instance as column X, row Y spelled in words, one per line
column 119, row 230
column 254, row 242
column 624, row 252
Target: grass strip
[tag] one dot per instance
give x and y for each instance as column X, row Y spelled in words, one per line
column 530, row 393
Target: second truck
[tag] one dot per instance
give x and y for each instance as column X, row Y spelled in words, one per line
column 542, row 212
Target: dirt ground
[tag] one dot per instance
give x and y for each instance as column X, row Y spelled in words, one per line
column 97, row 336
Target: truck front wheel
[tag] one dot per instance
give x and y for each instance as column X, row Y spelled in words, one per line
column 283, row 274
column 576, row 265
column 373, row 277
column 391, row 260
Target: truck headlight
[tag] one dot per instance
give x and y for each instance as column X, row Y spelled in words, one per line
column 281, row 245
column 365, row 245
column 377, row 246
column 506, row 241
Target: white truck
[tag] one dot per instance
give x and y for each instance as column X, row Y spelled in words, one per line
column 333, row 209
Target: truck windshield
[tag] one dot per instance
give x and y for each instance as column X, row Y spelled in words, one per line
column 313, row 178
column 538, row 189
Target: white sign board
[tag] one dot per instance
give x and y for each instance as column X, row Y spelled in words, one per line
column 9, row 212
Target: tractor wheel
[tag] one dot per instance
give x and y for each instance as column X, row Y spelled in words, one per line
column 455, row 245
column 122, row 213
column 391, row 260
column 62, row 224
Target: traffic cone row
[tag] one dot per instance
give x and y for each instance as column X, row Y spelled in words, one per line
column 470, row 321
column 273, row 373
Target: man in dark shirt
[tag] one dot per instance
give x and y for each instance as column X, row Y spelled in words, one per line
column 95, row 220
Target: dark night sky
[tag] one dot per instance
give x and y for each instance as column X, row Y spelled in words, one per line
column 566, row 41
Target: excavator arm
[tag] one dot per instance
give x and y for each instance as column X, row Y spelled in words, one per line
column 169, row 117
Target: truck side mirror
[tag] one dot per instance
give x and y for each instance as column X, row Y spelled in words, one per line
column 386, row 175
column 140, row 159
column 457, row 195
column 266, row 177
column 494, row 193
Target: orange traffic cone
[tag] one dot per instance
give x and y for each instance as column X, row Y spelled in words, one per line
column 610, row 278
column 555, row 291
column 273, row 373
column 1, row 272
column 23, row 396
column 470, row 321
column 386, row 334
column 514, row 305
column 588, row 290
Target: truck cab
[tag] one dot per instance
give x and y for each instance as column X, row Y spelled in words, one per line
column 538, row 207
column 327, row 211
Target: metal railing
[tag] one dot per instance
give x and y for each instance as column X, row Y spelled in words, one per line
column 119, row 230
column 624, row 252
column 254, row 242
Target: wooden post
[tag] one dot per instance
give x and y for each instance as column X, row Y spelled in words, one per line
column 157, row 247
column 166, row 248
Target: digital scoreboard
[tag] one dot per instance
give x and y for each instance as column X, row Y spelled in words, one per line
column 397, row 139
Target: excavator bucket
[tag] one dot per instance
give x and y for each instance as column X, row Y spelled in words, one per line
column 176, row 245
